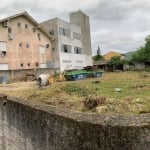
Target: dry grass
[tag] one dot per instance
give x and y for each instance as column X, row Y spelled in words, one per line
column 133, row 98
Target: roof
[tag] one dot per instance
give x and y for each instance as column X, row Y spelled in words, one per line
column 31, row 19
column 79, row 11
column 25, row 14
column 55, row 19
column 111, row 54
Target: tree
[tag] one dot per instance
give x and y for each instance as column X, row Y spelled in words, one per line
column 147, row 49
column 98, row 56
column 143, row 53
column 139, row 56
column 116, row 63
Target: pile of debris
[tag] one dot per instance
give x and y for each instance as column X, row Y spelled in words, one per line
column 93, row 101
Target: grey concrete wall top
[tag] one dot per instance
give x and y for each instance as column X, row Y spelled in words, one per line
column 112, row 120
column 26, row 125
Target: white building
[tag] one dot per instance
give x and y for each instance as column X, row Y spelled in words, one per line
column 71, row 47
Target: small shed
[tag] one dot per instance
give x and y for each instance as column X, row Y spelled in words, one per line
column 101, row 64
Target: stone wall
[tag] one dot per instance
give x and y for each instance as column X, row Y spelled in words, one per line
column 26, row 125
column 138, row 67
column 9, row 74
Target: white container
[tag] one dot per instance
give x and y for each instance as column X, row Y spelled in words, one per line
column 42, row 80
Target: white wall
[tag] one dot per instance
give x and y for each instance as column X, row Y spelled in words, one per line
column 67, row 60
column 3, row 66
column 43, row 65
column 74, row 61
column 89, row 61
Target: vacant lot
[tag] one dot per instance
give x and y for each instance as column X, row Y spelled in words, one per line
column 114, row 93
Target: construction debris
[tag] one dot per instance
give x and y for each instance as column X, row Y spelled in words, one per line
column 102, row 109
column 93, row 101
column 43, row 80
column 118, row 90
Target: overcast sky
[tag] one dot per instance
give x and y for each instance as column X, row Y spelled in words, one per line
column 118, row 25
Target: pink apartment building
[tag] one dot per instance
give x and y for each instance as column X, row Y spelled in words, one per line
column 23, row 44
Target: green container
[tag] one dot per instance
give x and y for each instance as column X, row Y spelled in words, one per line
column 75, row 75
column 95, row 73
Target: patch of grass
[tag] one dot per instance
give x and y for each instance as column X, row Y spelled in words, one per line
column 133, row 98
column 76, row 89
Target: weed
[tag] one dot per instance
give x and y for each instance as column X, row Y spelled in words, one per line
column 74, row 89
column 134, row 97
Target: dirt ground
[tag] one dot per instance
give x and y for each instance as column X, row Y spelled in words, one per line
column 50, row 95
column 7, row 88
column 134, row 97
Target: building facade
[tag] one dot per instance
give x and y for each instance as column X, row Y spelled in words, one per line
column 23, row 44
column 71, row 47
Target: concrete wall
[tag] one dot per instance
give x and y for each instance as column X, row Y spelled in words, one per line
column 10, row 74
column 80, row 19
column 70, row 59
column 140, row 66
column 25, row 125
column 74, row 61
column 52, row 26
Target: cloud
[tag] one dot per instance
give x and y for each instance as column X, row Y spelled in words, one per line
column 120, row 25
column 47, row 8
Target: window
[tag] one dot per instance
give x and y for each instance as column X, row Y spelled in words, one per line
column 28, row 64
column 9, row 30
column 64, row 32
column 39, row 36
column 36, row 64
column 26, row 26
column 47, row 45
column 3, row 46
column 27, row 46
column 3, row 53
column 77, row 50
column 51, row 32
column 76, row 36
column 19, row 24
column 5, row 24
column 65, row 48
column 20, row 44
column 10, row 34
column 21, row 64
